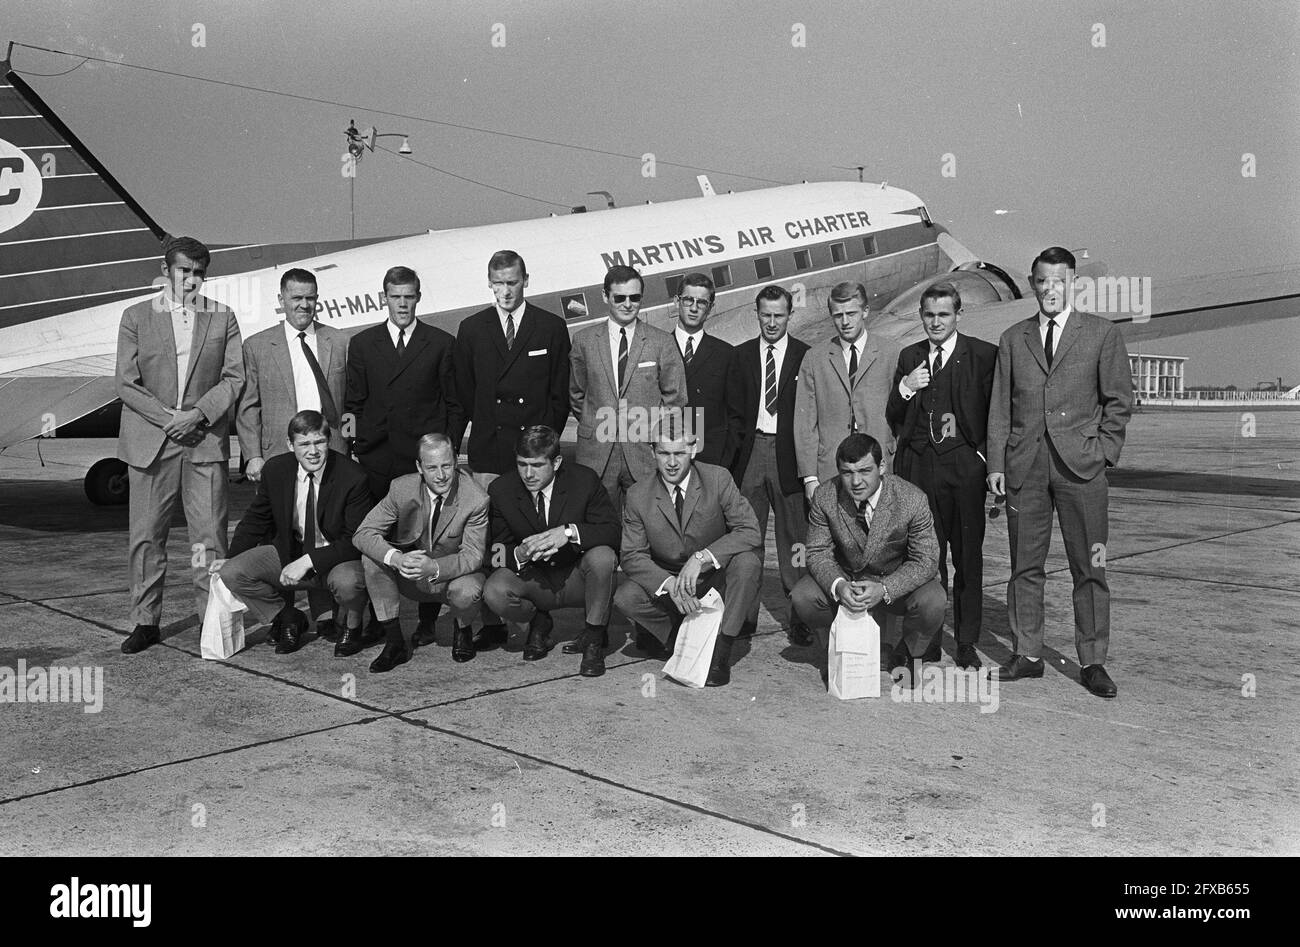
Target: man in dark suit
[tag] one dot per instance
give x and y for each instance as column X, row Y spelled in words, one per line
column 1062, row 395
column 400, row 386
column 685, row 531
column 760, row 399
column 871, row 545
column 297, row 534
column 554, row 527
column 512, row 368
column 180, row 368
column 708, row 361
column 426, row 540
column 938, row 410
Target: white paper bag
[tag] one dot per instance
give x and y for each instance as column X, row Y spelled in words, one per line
column 223, row 623
column 853, row 659
column 695, row 640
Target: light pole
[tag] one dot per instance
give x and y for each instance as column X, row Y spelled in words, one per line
column 358, row 142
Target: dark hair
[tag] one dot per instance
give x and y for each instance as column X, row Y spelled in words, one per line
column 772, row 293
column 856, row 446
column 1052, row 256
column 297, row 275
column 504, row 260
column 942, row 291
column 308, row 422
column 843, row 292
column 538, row 441
column 187, row 245
column 401, row 276
column 622, row 274
column 697, row 279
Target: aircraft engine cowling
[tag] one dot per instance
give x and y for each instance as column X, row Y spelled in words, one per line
column 978, row 283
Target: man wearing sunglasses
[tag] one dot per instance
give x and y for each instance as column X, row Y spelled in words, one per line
column 623, row 372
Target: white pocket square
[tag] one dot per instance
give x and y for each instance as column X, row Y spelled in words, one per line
column 537, row 352
column 649, row 364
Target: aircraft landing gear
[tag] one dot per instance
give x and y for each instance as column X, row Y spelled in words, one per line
column 106, row 482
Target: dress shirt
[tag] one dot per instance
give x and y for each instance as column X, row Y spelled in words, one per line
column 870, row 513
column 305, row 389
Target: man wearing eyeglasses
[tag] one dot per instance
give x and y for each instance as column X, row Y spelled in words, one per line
column 623, row 372
column 707, row 360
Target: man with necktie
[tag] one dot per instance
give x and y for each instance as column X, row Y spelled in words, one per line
column 708, row 362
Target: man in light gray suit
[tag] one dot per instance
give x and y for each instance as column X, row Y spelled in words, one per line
column 1062, row 396
column 297, row 365
column 844, row 386
column 180, row 368
column 622, row 369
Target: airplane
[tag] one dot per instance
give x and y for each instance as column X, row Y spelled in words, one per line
column 76, row 249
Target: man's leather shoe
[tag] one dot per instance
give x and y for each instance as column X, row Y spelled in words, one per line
column 934, row 653
column 539, row 642
column 325, row 628
column 1097, row 681
column 593, row 657
column 142, row 637
column 1020, row 666
column 292, row 627
column 350, row 642
column 490, row 636
column 392, row 655
column 276, row 629
column 462, row 644
column 424, row 630
column 720, row 666
column 800, row 635
column 577, row 646
column 967, row 658
column 649, row 644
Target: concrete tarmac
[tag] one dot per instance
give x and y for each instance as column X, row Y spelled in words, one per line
column 311, row 754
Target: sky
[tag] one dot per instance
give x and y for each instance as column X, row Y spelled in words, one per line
column 1121, row 127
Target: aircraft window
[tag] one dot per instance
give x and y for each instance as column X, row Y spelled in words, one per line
column 802, row 259
column 763, row 267
column 574, row 305
column 869, row 245
column 838, row 253
column 721, row 276
column 674, row 285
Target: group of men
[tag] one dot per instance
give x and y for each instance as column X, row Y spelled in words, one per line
column 685, row 446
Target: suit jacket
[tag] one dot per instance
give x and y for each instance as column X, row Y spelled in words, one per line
column 270, row 399
column 505, row 390
column 715, row 517
column 655, row 377
column 342, row 502
column 745, row 392
column 826, row 409
column 1082, row 403
column 577, row 497
column 706, row 395
column 901, row 548
column 971, row 366
column 400, row 520
column 147, row 382
column 395, row 402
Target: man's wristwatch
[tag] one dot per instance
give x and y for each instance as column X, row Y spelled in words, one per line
column 569, row 533
column 889, row 599
column 699, row 554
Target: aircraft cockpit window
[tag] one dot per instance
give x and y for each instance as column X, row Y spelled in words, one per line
column 869, row 245
column 721, row 276
column 674, row 285
column 802, row 259
column 839, row 253
column 763, row 267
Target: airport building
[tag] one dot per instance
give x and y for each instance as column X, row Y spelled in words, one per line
column 1157, row 376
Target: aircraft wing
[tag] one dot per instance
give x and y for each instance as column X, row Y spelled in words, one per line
column 50, row 397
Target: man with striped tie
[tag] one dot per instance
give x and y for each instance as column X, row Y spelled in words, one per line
column 760, row 398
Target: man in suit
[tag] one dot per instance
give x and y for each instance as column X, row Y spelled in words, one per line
column 180, row 368
column 708, row 361
column 1062, row 395
column 297, row 534
column 843, row 389
column 426, row 541
column 938, row 409
column 760, row 398
column 512, row 368
column 555, row 528
column 685, row 531
column 298, row 365
column 871, row 545
column 400, row 386
column 622, row 369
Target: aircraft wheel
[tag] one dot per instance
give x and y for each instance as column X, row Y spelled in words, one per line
column 106, row 482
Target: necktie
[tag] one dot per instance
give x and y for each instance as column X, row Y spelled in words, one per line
column 510, row 330
column 326, row 401
column 433, row 520
column 690, row 350
column 401, row 342
column 864, row 518
column 541, row 508
column 853, row 361
column 938, row 360
column 622, row 357
column 309, row 517
column 1049, row 343
column 769, row 381
column 677, row 503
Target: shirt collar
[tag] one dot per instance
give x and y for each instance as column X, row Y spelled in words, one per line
column 614, row 327
column 948, row 345
column 873, row 501
column 302, row 475
column 1060, row 318
column 778, row 347
column 857, row 344
column 291, row 333
column 546, row 492
column 683, row 335
column 671, row 487
column 393, row 330
column 517, row 312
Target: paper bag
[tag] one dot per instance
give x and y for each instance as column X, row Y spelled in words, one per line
column 853, row 659
column 698, row 633
column 223, row 623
